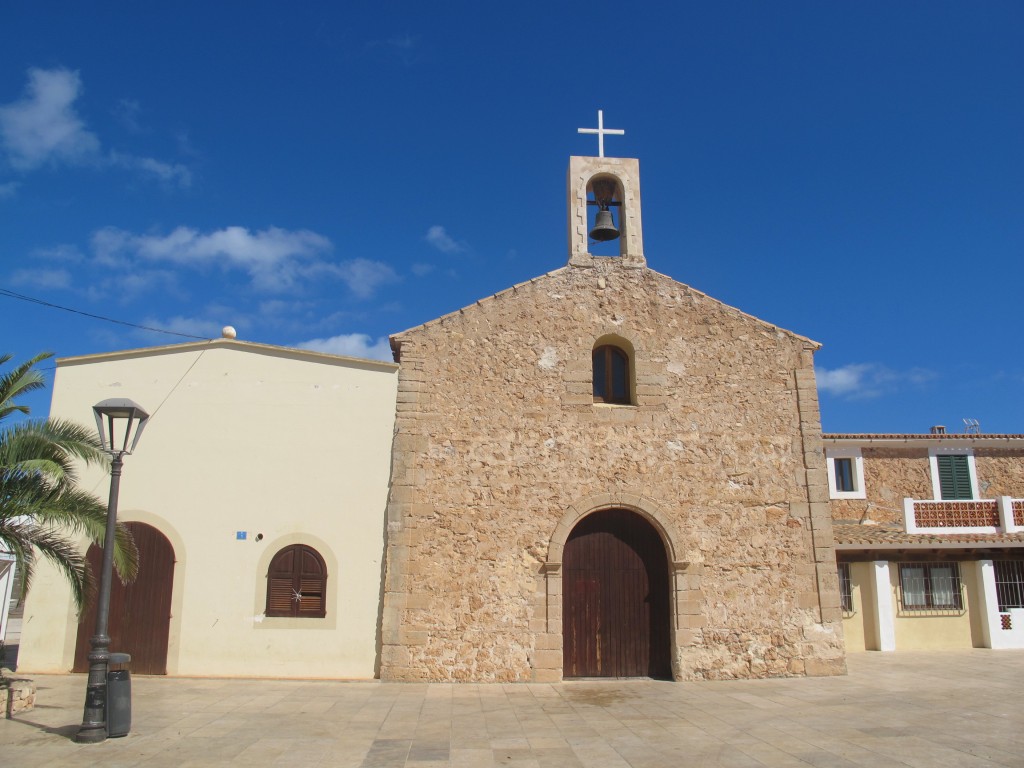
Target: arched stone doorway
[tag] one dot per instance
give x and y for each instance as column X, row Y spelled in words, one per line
column 140, row 613
column 616, row 619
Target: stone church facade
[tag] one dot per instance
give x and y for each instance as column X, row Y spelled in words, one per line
column 507, row 461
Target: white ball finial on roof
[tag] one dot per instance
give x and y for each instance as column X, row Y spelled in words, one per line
column 228, row 332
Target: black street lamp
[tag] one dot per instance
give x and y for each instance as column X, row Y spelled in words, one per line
column 115, row 420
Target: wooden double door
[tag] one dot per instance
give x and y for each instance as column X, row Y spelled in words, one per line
column 140, row 613
column 615, row 599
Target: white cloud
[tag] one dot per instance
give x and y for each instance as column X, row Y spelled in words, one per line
column 421, row 270
column 363, row 276
column 127, row 285
column 65, row 252
column 842, row 381
column 865, row 380
column 8, row 189
column 127, row 113
column 277, row 260
column 109, row 245
column 274, row 258
column 351, row 345
column 438, row 237
column 171, row 173
column 42, row 278
column 140, row 281
column 43, row 126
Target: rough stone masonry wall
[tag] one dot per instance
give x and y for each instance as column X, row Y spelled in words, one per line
column 500, row 448
column 1000, row 472
column 890, row 475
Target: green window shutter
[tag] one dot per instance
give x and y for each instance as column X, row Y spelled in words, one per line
column 954, row 478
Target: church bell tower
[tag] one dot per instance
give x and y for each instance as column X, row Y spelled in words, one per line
column 610, row 188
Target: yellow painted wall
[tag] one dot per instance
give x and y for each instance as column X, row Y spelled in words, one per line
column 292, row 445
column 927, row 632
column 970, row 574
column 858, row 629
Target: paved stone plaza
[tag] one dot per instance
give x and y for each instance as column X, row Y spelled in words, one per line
column 955, row 708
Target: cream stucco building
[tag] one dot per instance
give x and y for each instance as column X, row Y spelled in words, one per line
column 249, row 450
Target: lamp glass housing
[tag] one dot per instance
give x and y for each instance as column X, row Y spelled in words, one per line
column 120, row 422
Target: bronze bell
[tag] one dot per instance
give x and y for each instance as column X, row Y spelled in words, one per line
column 604, row 227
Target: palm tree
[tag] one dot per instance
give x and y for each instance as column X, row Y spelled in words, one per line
column 40, row 507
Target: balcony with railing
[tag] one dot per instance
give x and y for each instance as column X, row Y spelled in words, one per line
column 1001, row 515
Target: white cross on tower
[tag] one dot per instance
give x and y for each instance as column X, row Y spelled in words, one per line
column 601, row 131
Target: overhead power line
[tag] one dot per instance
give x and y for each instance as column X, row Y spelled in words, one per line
column 32, row 300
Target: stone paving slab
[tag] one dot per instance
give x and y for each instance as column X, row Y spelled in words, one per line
column 927, row 710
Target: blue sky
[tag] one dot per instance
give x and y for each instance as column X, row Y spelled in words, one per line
column 327, row 174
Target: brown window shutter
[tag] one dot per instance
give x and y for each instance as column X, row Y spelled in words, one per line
column 279, row 597
column 297, row 583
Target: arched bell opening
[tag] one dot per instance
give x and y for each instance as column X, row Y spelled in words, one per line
column 605, row 220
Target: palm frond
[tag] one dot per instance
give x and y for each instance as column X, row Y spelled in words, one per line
column 68, row 510
column 26, row 538
column 49, row 448
column 40, row 506
column 19, row 382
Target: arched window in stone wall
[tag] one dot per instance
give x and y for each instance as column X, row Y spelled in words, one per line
column 297, row 583
column 612, row 375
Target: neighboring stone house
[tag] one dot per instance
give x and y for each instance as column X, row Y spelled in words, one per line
column 929, row 533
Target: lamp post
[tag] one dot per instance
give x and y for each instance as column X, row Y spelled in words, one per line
column 115, row 420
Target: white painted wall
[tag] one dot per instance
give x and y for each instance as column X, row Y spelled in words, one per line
column 883, row 602
column 289, row 444
column 994, row 634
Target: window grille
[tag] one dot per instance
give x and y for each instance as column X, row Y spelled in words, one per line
column 845, row 590
column 1009, row 584
column 930, row 587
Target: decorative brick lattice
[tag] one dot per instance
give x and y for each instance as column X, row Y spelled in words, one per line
column 956, row 514
column 1018, row 512
column 1005, row 621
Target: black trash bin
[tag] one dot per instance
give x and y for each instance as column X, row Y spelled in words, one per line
column 119, row 695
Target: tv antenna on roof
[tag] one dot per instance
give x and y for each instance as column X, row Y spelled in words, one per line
column 972, row 427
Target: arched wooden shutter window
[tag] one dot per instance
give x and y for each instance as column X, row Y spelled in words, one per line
column 611, row 375
column 297, row 583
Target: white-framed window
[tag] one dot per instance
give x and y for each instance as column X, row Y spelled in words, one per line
column 954, row 475
column 845, row 473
